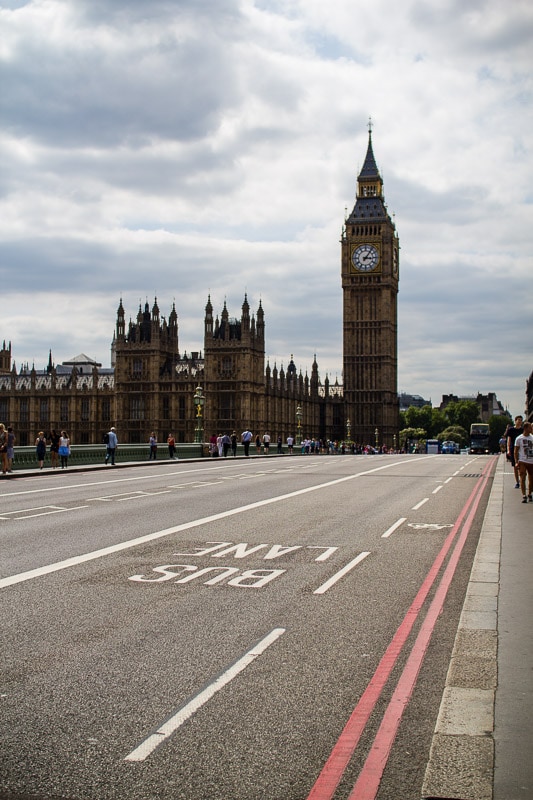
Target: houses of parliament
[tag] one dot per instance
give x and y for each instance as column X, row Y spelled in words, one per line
column 151, row 383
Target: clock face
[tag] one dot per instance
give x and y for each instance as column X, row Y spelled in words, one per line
column 365, row 258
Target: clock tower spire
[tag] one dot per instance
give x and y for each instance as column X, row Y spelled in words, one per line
column 369, row 270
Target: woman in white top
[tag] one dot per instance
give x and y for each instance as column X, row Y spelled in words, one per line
column 64, row 449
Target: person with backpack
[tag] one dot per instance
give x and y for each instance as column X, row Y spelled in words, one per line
column 111, row 442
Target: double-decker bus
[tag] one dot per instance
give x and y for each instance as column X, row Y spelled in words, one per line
column 479, row 437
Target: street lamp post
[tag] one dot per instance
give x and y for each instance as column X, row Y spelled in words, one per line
column 348, row 432
column 298, row 425
column 376, row 436
column 199, row 401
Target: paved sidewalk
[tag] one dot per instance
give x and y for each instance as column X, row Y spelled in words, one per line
column 483, row 741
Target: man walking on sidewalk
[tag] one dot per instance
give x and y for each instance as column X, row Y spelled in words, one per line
column 111, row 447
column 523, row 453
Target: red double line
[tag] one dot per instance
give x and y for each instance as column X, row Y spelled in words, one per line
column 369, row 778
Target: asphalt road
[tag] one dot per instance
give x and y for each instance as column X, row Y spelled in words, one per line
column 273, row 628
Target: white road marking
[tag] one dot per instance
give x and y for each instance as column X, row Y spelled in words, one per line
column 393, row 527
column 437, row 489
column 420, row 504
column 54, row 510
column 341, row 573
column 142, row 751
column 196, row 523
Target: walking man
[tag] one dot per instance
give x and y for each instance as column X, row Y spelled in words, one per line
column 111, row 447
column 246, row 438
column 523, row 453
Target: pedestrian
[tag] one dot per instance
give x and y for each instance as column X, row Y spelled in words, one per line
column 111, row 447
column 511, row 435
column 290, row 444
column 3, row 448
column 171, row 442
column 280, row 444
column 153, row 446
column 10, row 448
column 258, row 443
column 64, row 449
column 523, row 453
column 234, row 443
column 226, row 443
column 266, row 442
column 40, row 448
column 54, row 448
column 246, row 438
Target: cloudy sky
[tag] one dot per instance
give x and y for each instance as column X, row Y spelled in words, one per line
column 176, row 148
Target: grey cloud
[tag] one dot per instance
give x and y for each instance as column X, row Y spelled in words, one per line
column 67, row 103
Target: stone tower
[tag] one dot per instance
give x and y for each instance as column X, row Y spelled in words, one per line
column 5, row 359
column 234, row 353
column 370, row 272
column 146, row 353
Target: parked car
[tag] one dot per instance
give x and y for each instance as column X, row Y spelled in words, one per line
column 450, row 447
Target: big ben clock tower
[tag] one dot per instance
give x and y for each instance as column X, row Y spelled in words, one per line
column 370, row 261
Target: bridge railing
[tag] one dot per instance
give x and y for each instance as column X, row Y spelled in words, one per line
column 87, row 454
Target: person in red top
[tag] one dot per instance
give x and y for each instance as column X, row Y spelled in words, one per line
column 171, row 446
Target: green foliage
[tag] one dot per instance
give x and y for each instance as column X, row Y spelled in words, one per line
column 410, row 437
column 462, row 413
column 452, row 424
column 497, row 426
column 454, row 433
column 418, row 417
column 439, row 422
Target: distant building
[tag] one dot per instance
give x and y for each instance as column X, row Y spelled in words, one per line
column 488, row 404
column 408, row 400
column 529, row 398
column 151, row 383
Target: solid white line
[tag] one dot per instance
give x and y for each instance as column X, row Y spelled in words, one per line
column 393, row 527
column 340, row 574
column 420, row 504
column 195, row 523
column 142, row 751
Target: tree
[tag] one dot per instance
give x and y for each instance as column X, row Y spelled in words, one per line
column 439, row 421
column 410, row 437
column 497, row 426
column 462, row 413
column 416, row 417
column 432, row 420
column 454, row 433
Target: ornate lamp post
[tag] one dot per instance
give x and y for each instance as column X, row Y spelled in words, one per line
column 394, row 442
column 298, row 424
column 348, row 432
column 376, row 436
column 199, row 401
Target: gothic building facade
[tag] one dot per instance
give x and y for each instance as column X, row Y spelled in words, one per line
column 151, row 382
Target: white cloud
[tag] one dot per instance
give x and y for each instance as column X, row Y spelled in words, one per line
column 181, row 148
